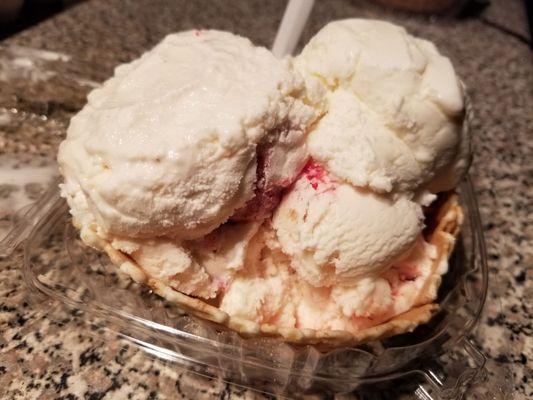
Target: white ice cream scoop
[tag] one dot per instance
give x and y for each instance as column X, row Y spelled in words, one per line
column 335, row 233
column 407, row 104
column 169, row 145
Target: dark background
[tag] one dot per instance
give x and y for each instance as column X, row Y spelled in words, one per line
column 17, row 15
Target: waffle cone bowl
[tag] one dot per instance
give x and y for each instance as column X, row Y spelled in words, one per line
column 444, row 221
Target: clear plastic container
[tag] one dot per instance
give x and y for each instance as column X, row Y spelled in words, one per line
column 439, row 360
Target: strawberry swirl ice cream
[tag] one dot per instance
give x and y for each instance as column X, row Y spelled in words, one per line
column 272, row 292
column 336, row 233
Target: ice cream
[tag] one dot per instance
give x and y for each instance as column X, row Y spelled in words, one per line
column 204, row 128
column 337, row 233
column 271, row 292
column 393, row 100
column 201, row 267
column 286, row 193
column 180, row 139
column 393, row 123
column 345, row 250
column 169, row 262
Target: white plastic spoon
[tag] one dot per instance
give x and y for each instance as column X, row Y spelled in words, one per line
column 291, row 27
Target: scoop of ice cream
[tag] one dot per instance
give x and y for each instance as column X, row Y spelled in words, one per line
column 370, row 300
column 223, row 251
column 337, row 233
column 201, row 267
column 169, row 262
column 356, row 144
column 271, row 292
column 266, row 298
column 262, row 291
column 406, row 103
column 169, row 145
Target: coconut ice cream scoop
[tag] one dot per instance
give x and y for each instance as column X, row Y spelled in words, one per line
column 392, row 99
column 169, row 146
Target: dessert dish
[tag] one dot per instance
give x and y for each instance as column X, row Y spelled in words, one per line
column 309, row 198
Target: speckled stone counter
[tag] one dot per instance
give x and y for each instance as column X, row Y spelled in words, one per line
column 48, row 353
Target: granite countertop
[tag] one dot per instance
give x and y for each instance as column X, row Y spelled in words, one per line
column 48, row 353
